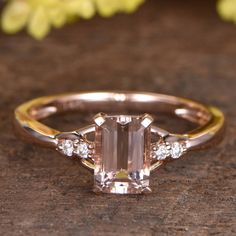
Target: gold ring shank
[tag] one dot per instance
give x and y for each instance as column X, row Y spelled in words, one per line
column 29, row 114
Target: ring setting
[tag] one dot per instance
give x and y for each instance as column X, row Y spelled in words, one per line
column 125, row 148
column 122, row 152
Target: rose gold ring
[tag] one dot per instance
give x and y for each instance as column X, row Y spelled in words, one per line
column 123, row 145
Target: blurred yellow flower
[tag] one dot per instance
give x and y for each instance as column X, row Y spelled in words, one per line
column 38, row 16
column 227, row 9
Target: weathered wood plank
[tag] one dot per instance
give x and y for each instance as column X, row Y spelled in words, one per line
column 180, row 48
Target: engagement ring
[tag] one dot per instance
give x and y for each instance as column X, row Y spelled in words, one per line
column 124, row 142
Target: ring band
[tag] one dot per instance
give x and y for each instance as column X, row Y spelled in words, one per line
column 127, row 144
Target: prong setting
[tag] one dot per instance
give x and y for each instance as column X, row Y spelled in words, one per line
column 146, row 120
column 163, row 150
column 99, row 119
column 75, row 145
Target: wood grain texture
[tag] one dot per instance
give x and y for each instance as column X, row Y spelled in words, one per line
column 173, row 47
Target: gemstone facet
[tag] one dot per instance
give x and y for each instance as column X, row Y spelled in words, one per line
column 122, row 154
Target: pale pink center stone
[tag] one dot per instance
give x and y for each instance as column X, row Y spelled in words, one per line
column 122, row 154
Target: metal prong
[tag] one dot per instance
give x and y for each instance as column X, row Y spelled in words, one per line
column 147, row 120
column 99, row 119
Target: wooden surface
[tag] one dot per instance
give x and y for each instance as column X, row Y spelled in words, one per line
column 174, row 47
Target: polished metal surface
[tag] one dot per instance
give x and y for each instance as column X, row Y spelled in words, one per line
column 210, row 120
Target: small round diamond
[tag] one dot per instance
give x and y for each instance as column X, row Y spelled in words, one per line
column 67, row 147
column 177, row 150
column 161, row 152
column 82, row 150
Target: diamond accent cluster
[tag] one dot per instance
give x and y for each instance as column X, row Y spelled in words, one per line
column 163, row 150
column 78, row 147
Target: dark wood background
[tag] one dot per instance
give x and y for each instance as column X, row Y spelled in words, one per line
column 174, row 47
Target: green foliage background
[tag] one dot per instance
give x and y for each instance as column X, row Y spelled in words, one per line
column 38, row 17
